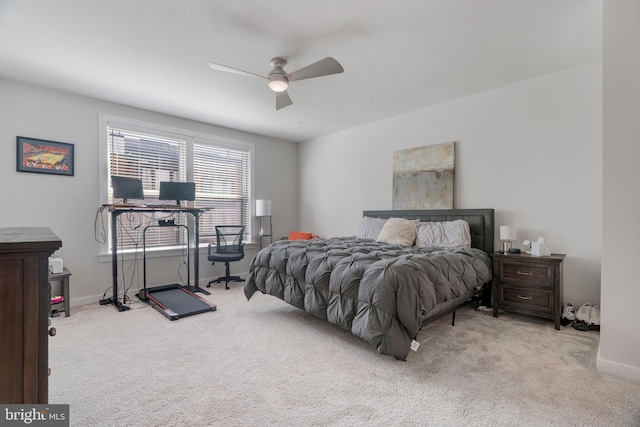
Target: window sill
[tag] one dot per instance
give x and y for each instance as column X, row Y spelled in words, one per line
column 169, row 252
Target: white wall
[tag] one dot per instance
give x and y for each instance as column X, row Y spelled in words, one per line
column 620, row 341
column 68, row 204
column 531, row 150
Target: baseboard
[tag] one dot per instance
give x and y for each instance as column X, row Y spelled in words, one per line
column 619, row 369
column 76, row 302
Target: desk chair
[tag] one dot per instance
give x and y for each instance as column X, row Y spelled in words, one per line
column 229, row 248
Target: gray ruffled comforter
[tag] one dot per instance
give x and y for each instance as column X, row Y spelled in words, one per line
column 379, row 292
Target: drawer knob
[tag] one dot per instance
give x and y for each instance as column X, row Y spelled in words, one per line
column 527, row 298
column 52, row 332
column 524, row 273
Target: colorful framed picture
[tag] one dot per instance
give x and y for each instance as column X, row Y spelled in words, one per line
column 41, row 156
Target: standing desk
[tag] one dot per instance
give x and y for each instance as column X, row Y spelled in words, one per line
column 116, row 211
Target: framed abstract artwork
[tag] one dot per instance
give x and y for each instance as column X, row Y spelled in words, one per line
column 423, row 177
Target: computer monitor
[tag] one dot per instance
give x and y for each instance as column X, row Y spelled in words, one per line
column 177, row 191
column 126, row 188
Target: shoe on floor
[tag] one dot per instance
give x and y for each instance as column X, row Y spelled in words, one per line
column 582, row 317
column 584, row 312
column 580, row 325
column 568, row 315
column 594, row 318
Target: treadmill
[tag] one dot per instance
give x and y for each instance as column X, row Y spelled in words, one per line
column 173, row 301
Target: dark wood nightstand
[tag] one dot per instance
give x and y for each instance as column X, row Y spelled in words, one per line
column 24, row 292
column 528, row 284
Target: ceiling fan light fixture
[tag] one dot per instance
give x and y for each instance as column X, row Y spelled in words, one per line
column 278, row 82
column 279, row 79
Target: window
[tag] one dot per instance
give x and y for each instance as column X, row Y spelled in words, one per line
column 222, row 182
column 221, row 170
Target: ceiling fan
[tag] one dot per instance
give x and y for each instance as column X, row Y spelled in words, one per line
column 279, row 79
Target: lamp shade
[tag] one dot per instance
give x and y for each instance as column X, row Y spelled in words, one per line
column 263, row 207
column 507, row 232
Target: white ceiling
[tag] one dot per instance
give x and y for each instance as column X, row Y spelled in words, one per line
column 398, row 55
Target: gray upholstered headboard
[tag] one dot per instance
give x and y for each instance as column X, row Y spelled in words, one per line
column 480, row 221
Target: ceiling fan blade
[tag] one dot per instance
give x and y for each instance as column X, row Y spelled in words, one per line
column 283, row 100
column 220, row 67
column 324, row 67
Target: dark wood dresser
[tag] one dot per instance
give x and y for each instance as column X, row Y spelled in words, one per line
column 528, row 284
column 24, row 313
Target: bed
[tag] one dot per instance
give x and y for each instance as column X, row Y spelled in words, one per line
column 381, row 291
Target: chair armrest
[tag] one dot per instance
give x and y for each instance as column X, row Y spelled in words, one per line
column 209, row 248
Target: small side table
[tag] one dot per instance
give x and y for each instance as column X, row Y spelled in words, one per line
column 528, row 284
column 63, row 278
column 261, row 233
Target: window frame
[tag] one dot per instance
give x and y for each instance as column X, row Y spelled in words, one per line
column 191, row 137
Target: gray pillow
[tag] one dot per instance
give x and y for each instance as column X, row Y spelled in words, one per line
column 370, row 227
column 446, row 234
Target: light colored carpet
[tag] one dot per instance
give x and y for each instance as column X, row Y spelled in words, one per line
column 263, row 362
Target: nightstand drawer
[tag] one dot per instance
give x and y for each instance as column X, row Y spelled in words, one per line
column 526, row 298
column 531, row 273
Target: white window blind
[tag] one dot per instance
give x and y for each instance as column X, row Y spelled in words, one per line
column 151, row 159
column 222, row 175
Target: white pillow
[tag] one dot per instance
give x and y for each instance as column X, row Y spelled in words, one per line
column 446, row 234
column 370, row 227
column 398, row 231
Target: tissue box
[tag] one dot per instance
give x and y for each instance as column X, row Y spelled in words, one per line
column 55, row 265
column 540, row 249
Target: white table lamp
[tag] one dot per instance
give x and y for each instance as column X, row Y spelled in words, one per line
column 507, row 234
column 263, row 207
